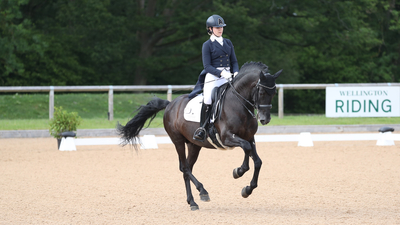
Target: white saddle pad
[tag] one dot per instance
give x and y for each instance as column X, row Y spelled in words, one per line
column 193, row 109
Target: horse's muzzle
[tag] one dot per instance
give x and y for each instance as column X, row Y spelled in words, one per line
column 265, row 121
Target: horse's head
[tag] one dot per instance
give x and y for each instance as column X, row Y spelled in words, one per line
column 265, row 91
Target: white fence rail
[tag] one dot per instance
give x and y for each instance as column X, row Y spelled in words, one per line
column 169, row 88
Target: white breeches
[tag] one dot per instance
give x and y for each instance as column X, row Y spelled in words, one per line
column 210, row 83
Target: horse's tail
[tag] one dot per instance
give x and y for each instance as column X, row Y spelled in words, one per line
column 130, row 132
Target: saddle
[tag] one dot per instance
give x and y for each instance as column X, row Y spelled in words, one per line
column 217, row 96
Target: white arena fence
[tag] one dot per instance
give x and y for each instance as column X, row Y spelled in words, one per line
column 168, row 88
column 258, row 138
column 304, row 139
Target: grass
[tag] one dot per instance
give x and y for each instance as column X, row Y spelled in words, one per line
column 87, row 105
column 31, row 112
column 87, row 123
column 322, row 120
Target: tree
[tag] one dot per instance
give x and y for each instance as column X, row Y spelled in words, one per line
column 84, row 41
column 167, row 36
column 323, row 41
column 17, row 39
column 385, row 19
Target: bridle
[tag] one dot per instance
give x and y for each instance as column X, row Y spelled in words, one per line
column 255, row 105
column 259, row 86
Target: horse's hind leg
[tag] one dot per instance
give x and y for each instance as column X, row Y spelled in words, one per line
column 193, row 154
column 185, row 169
column 238, row 172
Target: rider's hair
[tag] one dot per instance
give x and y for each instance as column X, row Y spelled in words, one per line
column 209, row 31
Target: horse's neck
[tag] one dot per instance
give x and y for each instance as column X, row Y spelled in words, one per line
column 245, row 85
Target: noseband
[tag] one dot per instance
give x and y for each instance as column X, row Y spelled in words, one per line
column 259, row 85
column 256, row 105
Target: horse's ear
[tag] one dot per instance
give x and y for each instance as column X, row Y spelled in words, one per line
column 276, row 75
column 263, row 76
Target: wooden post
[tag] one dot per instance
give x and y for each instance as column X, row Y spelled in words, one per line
column 280, row 102
column 169, row 93
column 51, row 103
column 110, row 104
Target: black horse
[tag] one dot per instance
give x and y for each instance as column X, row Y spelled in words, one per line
column 252, row 89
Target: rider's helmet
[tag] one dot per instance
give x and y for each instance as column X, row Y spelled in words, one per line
column 214, row 21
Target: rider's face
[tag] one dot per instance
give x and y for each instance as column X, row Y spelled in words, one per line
column 218, row 31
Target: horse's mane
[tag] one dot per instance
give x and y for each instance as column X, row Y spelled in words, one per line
column 250, row 66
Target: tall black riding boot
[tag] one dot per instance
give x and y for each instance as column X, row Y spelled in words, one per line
column 200, row 133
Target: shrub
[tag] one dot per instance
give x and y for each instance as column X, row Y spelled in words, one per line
column 63, row 121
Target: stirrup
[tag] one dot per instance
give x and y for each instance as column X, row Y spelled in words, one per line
column 198, row 133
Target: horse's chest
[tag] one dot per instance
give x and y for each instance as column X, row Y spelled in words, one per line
column 244, row 128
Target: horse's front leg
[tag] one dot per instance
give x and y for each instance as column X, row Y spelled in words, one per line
column 246, row 191
column 238, row 172
column 249, row 148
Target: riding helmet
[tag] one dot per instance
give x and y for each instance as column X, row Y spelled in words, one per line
column 215, row 21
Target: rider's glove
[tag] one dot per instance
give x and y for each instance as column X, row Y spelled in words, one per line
column 225, row 74
column 235, row 73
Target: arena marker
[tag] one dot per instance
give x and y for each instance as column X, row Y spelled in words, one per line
column 305, row 140
column 148, row 142
column 385, row 139
column 67, row 144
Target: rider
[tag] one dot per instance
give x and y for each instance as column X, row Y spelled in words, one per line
column 219, row 61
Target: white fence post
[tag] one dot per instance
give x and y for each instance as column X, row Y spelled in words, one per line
column 169, row 93
column 51, row 103
column 110, row 104
column 280, row 101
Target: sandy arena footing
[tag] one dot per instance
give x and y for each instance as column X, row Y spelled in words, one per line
column 341, row 182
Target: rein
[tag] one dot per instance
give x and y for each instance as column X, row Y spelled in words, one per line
column 255, row 105
column 237, row 94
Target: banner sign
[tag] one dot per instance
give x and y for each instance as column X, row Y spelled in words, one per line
column 376, row 101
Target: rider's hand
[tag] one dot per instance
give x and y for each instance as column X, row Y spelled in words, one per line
column 225, row 74
column 235, row 73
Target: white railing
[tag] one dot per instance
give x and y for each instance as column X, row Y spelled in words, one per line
column 168, row 88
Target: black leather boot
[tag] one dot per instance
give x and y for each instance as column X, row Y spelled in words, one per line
column 200, row 133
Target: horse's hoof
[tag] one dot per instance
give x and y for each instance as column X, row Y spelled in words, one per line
column 244, row 193
column 205, row 198
column 236, row 173
column 194, row 207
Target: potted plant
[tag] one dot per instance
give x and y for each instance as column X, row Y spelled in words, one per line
column 62, row 122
